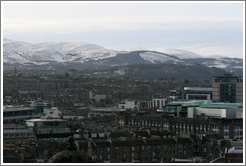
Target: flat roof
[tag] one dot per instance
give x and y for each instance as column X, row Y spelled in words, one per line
column 45, row 120
column 177, row 160
column 235, row 150
column 222, row 105
column 11, row 109
column 189, row 102
column 206, row 104
column 198, row 89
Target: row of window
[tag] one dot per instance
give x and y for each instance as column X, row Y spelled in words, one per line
column 101, row 155
column 185, row 127
column 11, row 135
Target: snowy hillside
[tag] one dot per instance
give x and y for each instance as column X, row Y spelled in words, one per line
column 22, row 52
column 225, row 63
column 156, row 58
column 182, row 54
column 95, row 57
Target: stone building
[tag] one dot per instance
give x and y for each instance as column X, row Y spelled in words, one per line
column 136, row 149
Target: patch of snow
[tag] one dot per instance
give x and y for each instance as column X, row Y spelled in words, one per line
column 182, row 54
column 22, row 52
column 157, row 57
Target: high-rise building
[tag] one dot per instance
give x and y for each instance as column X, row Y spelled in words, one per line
column 228, row 88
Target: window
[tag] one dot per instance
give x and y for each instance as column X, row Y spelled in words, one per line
column 93, row 135
column 226, row 127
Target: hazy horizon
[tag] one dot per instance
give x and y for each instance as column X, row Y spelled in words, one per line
column 203, row 28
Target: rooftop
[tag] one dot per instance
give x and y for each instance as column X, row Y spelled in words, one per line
column 235, row 150
column 198, row 89
column 206, row 104
column 222, row 105
column 188, row 102
column 46, row 120
column 15, row 108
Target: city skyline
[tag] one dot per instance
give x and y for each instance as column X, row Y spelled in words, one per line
column 202, row 27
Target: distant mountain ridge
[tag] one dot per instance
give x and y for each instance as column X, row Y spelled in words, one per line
column 182, row 54
column 165, row 71
column 87, row 56
column 40, row 53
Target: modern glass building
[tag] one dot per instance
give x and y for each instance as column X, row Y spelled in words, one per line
column 228, row 88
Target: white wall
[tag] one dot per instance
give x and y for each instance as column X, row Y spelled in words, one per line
column 129, row 104
column 53, row 112
column 213, row 112
column 162, row 103
column 190, row 113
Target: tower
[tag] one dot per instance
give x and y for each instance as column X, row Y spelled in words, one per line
column 228, row 88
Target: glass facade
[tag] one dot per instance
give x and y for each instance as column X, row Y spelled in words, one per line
column 228, row 88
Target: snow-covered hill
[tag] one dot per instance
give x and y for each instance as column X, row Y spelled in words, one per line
column 157, row 58
column 97, row 57
column 40, row 53
column 182, row 54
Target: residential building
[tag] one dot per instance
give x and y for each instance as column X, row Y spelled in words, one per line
column 234, row 155
column 16, row 131
column 135, row 149
column 227, row 128
column 103, row 111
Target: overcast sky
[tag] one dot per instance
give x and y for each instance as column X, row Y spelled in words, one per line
column 203, row 28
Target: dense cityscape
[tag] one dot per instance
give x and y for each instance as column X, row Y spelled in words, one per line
column 120, row 82
column 73, row 117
